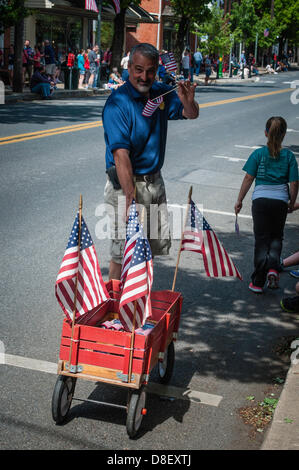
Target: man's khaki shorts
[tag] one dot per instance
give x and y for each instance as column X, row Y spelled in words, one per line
column 153, row 215
column 51, row 69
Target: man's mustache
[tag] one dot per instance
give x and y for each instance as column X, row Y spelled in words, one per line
column 142, row 82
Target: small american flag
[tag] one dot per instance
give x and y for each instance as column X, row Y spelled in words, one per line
column 136, row 276
column 151, row 106
column 116, row 6
column 91, row 5
column 198, row 236
column 266, row 32
column 91, row 290
column 169, row 61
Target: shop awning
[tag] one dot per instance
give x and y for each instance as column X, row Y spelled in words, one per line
column 134, row 14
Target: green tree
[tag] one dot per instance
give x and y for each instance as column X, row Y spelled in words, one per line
column 188, row 12
column 282, row 19
column 217, row 30
column 243, row 19
column 286, row 14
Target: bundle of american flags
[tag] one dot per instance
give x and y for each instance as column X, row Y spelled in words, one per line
column 91, row 289
column 199, row 237
column 151, row 106
column 169, row 61
column 91, row 5
column 136, row 275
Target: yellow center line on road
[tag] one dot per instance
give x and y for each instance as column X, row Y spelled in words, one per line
column 46, row 133
column 79, row 127
column 244, row 98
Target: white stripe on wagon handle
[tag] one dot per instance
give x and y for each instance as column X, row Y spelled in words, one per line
column 167, row 391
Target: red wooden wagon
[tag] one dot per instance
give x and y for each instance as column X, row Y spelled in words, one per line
column 94, row 353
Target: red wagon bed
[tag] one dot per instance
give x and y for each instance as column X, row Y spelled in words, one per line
column 96, row 353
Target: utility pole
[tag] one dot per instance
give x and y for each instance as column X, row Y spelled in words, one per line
column 100, row 2
column 255, row 48
column 272, row 9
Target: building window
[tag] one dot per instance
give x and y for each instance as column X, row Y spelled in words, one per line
column 64, row 32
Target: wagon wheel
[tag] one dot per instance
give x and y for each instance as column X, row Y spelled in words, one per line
column 62, row 397
column 165, row 368
column 136, row 411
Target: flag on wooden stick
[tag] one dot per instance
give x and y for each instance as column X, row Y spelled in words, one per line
column 91, row 290
column 151, row 106
column 199, row 237
column 169, row 61
column 136, row 275
column 91, row 5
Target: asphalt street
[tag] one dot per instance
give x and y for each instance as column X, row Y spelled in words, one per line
column 50, row 153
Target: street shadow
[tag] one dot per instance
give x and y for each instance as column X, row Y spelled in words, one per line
column 232, row 332
column 159, row 409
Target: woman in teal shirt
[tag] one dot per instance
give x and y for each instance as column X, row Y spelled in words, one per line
column 80, row 63
column 272, row 168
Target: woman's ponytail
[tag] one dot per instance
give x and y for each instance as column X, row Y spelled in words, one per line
column 276, row 128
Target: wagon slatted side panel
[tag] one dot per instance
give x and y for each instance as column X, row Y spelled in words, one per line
column 104, row 354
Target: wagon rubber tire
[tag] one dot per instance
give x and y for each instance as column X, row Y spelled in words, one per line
column 135, row 415
column 165, row 368
column 62, row 397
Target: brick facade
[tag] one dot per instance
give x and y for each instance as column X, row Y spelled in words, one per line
column 146, row 32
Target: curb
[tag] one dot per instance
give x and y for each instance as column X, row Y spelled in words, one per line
column 284, row 430
column 59, row 94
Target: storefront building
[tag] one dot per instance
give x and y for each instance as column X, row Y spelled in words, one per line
column 68, row 26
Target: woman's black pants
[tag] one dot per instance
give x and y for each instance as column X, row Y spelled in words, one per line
column 269, row 216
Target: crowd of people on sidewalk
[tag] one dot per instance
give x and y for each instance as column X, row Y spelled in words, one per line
column 42, row 62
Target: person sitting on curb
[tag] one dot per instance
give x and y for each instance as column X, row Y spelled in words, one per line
column 40, row 83
column 115, row 80
column 292, row 260
column 291, row 304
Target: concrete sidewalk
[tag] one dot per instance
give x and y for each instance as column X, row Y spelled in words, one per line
column 61, row 93
column 283, row 433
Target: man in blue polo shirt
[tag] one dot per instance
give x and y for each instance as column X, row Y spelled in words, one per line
column 135, row 146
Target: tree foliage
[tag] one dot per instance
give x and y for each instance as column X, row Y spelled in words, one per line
column 244, row 20
column 218, row 32
column 11, row 11
column 188, row 12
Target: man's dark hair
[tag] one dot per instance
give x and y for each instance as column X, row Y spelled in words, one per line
column 147, row 50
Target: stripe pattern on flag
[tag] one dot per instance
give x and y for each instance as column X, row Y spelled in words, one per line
column 91, row 5
column 169, row 61
column 136, row 275
column 91, row 289
column 199, row 237
column 116, row 6
column 151, row 106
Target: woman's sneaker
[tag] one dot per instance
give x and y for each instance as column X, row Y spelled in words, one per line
column 290, row 304
column 295, row 274
column 255, row 289
column 272, row 279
